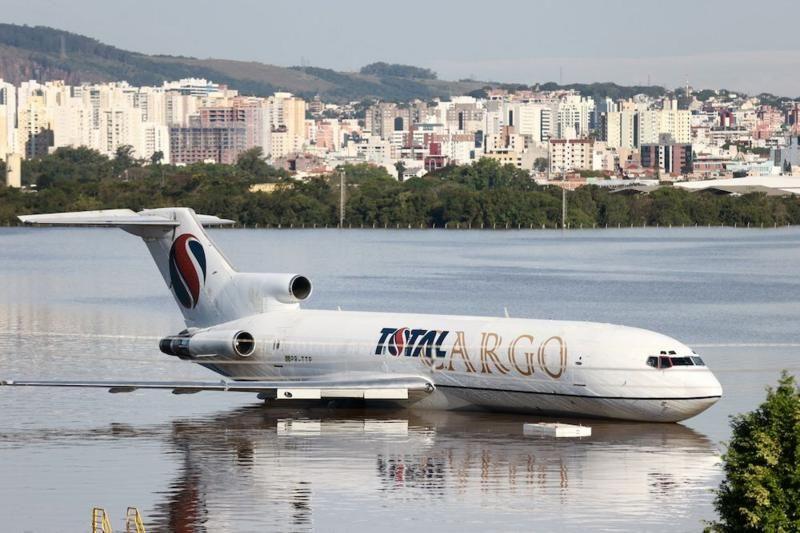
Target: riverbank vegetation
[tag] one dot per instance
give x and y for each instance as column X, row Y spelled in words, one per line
column 481, row 195
column 761, row 489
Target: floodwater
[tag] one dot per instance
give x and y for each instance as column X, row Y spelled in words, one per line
column 90, row 304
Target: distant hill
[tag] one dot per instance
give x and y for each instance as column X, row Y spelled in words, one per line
column 45, row 54
column 48, row 54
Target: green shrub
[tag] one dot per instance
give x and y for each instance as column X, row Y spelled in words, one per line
column 761, row 489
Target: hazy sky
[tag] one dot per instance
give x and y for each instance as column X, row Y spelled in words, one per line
column 737, row 44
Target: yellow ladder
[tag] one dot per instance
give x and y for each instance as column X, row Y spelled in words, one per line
column 102, row 524
column 133, row 521
column 100, row 521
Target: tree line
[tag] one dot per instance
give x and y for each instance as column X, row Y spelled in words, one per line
column 483, row 194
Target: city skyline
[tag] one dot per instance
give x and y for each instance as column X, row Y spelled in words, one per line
column 193, row 120
column 712, row 44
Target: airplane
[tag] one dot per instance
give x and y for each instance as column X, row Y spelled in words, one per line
column 250, row 329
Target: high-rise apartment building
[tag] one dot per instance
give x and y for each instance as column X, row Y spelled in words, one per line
column 672, row 158
column 289, row 113
column 571, row 154
column 620, row 129
column 121, row 126
column 216, row 134
column 531, row 120
column 35, row 136
column 13, row 177
column 667, row 125
column 4, row 145
column 574, row 116
column 464, row 117
column 383, row 119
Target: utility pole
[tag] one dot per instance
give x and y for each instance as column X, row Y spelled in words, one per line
column 341, row 199
column 563, row 205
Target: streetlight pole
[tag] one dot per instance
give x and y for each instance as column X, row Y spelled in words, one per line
column 563, row 198
column 341, row 199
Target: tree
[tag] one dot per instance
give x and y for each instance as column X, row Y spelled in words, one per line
column 157, row 157
column 252, row 162
column 401, row 169
column 400, row 71
column 123, row 159
column 79, row 164
column 761, row 489
column 541, row 164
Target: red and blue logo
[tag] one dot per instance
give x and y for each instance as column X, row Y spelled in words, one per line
column 187, row 269
column 412, row 342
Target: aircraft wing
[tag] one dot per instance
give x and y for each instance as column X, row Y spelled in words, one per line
column 375, row 388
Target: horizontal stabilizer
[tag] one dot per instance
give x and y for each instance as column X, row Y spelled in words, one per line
column 118, row 218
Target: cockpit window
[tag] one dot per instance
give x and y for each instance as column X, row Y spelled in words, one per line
column 666, row 361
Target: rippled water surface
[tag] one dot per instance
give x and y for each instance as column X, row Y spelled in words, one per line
column 91, row 304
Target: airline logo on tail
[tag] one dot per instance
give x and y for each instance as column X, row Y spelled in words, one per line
column 187, row 269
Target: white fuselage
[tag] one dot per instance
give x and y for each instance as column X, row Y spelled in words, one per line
column 535, row 366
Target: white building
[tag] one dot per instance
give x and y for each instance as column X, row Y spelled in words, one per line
column 531, row 120
column 571, row 154
column 375, row 150
column 574, row 115
column 620, row 129
column 660, row 125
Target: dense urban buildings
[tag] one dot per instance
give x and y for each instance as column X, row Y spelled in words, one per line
column 556, row 135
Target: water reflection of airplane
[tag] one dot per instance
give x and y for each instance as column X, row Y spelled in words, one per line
column 269, row 466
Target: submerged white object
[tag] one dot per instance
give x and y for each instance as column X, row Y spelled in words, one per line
column 558, row 430
column 250, row 329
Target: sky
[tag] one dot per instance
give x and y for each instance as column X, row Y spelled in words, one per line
column 735, row 44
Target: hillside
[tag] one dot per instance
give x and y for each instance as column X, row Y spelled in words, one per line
column 48, row 54
column 44, row 54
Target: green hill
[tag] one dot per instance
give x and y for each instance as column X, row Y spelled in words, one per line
column 48, row 54
column 44, row 54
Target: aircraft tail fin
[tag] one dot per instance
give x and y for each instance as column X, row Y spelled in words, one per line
column 191, row 265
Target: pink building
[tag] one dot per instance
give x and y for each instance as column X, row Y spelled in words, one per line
column 328, row 133
column 726, row 118
column 793, row 118
column 769, row 121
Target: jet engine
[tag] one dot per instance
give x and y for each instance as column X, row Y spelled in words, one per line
column 209, row 343
column 286, row 288
column 281, row 288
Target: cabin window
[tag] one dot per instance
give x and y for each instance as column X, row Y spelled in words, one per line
column 652, row 361
column 664, row 362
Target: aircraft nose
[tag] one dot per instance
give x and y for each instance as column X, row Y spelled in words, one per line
column 713, row 385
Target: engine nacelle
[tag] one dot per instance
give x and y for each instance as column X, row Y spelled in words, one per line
column 284, row 288
column 209, row 343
